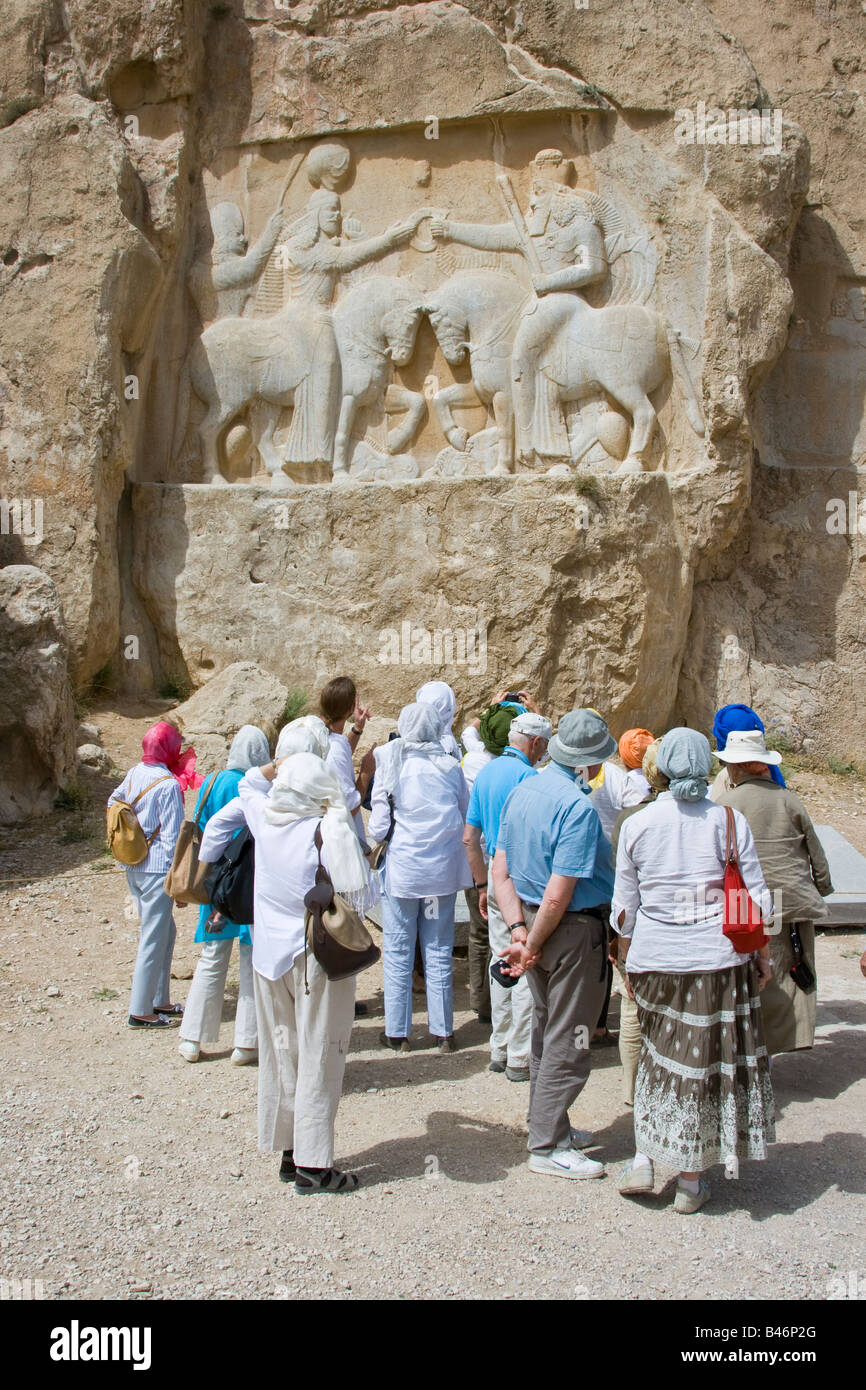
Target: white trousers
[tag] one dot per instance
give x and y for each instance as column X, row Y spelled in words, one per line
column 203, row 1010
column 510, row 1009
column 303, row 1043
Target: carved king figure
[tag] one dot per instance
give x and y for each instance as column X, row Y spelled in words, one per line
column 564, row 246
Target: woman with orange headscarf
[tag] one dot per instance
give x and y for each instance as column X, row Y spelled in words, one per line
column 155, row 787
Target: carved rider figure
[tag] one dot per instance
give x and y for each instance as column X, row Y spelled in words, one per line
column 222, row 282
column 315, row 257
column 563, row 244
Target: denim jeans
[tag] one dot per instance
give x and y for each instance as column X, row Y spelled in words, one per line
column 429, row 921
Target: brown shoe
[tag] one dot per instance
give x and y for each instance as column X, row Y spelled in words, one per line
column 444, row 1044
column 395, row 1044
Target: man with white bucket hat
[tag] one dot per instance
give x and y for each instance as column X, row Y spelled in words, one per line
column 796, row 871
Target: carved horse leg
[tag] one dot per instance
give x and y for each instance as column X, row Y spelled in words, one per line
column 210, row 430
column 461, row 393
column 344, row 434
column 397, row 399
column 265, row 411
column 503, row 414
column 638, row 404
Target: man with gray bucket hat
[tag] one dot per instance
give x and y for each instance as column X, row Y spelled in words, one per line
column 553, row 875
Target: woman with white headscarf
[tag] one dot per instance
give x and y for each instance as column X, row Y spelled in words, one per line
column 702, row 1093
column 442, row 698
column 203, row 1012
column 305, row 1019
column 306, row 735
column 423, row 789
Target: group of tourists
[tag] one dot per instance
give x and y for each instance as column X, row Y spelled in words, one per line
column 584, row 861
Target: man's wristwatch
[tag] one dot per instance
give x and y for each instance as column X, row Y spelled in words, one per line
column 479, row 886
column 515, row 925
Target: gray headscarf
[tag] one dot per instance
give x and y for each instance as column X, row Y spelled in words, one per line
column 684, row 756
column 249, row 749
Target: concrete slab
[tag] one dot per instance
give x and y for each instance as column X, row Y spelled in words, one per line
column 847, row 904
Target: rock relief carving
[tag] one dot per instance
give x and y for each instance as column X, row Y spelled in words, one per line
column 549, row 309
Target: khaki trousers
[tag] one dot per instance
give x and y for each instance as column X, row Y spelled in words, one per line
column 479, row 956
column 629, row 1041
column 510, row 1009
column 303, row 1043
column 568, row 986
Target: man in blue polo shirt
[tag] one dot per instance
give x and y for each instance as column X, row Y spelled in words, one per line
column 510, row 1009
column 553, row 876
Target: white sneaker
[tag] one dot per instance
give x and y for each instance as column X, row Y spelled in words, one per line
column 582, row 1138
column 565, row 1163
column 189, row 1051
column 242, row 1056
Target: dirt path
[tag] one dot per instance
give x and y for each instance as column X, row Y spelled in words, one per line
column 129, row 1173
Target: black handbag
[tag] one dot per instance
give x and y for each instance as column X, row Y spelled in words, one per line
column 801, row 971
column 334, row 931
column 232, row 892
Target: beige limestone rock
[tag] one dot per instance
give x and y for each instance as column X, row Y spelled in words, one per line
column 586, row 597
column 37, row 718
column 128, row 123
column 242, row 693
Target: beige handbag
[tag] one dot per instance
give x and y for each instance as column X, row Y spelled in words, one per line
column 188, row 880
column 376, row 855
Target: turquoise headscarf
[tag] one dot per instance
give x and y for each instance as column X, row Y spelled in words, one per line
column 685, row 759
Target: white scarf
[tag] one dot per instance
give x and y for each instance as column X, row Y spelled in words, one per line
column 419, row 728
column 309, row 734
column 305, row 787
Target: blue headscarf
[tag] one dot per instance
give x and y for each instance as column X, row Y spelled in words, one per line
column 739, row 719
column 685, row 759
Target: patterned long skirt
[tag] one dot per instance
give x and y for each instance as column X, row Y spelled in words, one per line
column 703, row 1092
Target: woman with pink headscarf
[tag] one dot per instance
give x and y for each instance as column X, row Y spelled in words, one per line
column 156, row 785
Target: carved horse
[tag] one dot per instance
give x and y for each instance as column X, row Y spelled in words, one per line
column 376, row 325
column 619, row 350
column 324, row 365
column 288, row 358
column 478, row 312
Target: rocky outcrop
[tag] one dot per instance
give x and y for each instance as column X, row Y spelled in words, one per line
column 242, row 693
column 708, row 574
column 37, row 717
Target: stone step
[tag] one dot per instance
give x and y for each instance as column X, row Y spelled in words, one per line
column 847, row 904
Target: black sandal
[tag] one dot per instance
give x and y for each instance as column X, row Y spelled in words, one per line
column 314, row 1180
column 159, row 1022
column 287, row 1166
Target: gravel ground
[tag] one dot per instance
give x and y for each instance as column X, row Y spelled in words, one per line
column 128, row 1173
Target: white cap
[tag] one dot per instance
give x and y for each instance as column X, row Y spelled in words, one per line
column 531, row 725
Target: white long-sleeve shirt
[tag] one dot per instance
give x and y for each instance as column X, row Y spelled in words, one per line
column 618, row 790
column 339, row 760
column 426, row 855
column 163, row 807
column 286, row 863
column 220, row 830
column 670, row 870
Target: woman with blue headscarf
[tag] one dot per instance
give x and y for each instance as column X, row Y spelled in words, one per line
column 702, row 1092
column 735, row 719
column 204, row 1006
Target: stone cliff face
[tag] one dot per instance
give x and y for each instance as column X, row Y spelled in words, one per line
column 248, row 244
